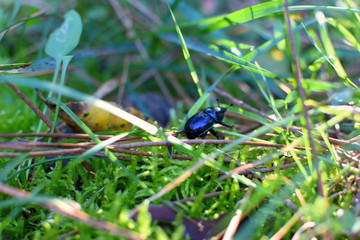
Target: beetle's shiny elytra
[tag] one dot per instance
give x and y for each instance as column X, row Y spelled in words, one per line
column 203, row 122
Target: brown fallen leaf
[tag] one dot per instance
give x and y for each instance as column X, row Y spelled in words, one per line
column 195, row 228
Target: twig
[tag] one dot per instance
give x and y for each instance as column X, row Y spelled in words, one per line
column 66, row 135
column 233, row 225
column 298, row 77
column 140, row 7
column 32, row 106
column 121, row 81
column 206, row 196
column 68, row 234
column 45, row 153
column 70, row 148
column 238, row 216
column 286, row 228
column 36, row 14
column 30, row 145
column 207, row 141
column 72, row 212
column 268, row 169
column 184, row 96
column 305, row 227
column 79, row 148
column 244, row 168
column 243, row 105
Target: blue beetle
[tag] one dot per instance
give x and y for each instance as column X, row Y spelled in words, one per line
column 201, row 123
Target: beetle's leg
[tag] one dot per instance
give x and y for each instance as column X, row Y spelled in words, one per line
column 212, row 131
column 169, row 149
column 203, row 136
column 224, row 124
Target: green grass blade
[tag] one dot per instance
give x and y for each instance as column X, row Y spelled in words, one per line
column 347, row 81
column 10, row 166
column 357, row 16
column 66, row 60
column 323, row 8
column 220, row 54
column 102, row 145
column 50, row 63
column 240, row 16
column 265, row 47
column 330, row 50
column 346, row 33
column 32, row 165
column 12, row 18
column 186, row 54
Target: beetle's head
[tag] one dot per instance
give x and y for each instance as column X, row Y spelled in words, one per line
column 217, row 113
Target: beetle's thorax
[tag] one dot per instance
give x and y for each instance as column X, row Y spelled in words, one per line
column 216, row 113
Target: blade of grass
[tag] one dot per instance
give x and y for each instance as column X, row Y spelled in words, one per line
column 318, row 48
column 346, row 33
column 220, row 54
column 211, row 24
column 265, row 47
column 330, row 50
column 285, row 134
column 186, row 53
column 323, row 8
column 66, row 60
column 240, row 16
column 12, row 18
column 244, row 15
column 102, row 145
column 50, row 63
column 22, row 21
column 350, row 5
column 37, row 164
column 10, row 166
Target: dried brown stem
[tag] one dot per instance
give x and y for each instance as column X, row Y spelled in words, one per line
column 243, row 105
column 298, row 77
column 69, row 234
column 74, row 151
column 30, row 145
column 66, row 135
column 70, row 148
column 207, row 141
column 71, row 211
column 36, row 14
column 268, row 169
column 206, row 196
column 32, row 106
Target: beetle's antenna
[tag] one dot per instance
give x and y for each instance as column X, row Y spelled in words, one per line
column 229, row 106
column 217, row 100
